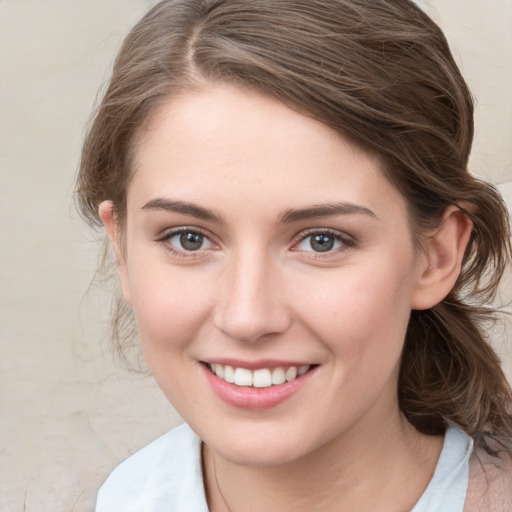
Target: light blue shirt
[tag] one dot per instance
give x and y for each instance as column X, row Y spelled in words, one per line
column 447, row 490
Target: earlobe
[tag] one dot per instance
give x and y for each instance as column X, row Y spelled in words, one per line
column 108, row 217
column 442, row 262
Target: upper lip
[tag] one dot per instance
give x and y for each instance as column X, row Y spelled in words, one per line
column 255, row 364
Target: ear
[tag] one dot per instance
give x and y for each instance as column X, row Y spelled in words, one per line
column 112, row 228
column 442, row 260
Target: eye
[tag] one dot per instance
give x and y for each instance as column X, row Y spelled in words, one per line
column 323, row 242
column 184, row 240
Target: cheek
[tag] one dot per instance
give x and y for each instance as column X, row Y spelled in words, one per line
column 363, row 316
column 170, row 306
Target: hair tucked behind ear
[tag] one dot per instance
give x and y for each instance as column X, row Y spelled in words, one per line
column 379, row 72
column 449, row 371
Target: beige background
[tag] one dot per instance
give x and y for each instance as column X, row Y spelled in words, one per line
column 68, row 412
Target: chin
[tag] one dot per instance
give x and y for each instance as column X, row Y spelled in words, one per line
column 258, row 445
column 261, row 453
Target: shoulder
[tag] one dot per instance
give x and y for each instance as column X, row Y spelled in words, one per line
column 490, row 483
column 157, row 455
column 165, row 471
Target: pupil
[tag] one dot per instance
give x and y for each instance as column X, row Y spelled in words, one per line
column 191, row 241
column 322, row 243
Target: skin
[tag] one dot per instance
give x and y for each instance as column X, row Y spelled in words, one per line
column 490, row 483
column 257, row 289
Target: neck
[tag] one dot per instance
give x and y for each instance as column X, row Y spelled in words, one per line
column 390, row 464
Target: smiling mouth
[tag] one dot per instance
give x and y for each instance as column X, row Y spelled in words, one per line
column 260, row 378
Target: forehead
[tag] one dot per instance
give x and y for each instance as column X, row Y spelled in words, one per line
column 222, row 142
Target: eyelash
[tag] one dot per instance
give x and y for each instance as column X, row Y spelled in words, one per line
column 167, row 236
column 346, row 242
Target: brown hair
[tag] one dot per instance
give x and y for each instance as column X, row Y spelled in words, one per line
column 380, row 73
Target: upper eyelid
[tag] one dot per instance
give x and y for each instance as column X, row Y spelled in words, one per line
column 170, row 232
column 329, row 231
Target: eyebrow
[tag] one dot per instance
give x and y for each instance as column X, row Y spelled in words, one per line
column 289, row 216
column 323, row 210
column 182, row 207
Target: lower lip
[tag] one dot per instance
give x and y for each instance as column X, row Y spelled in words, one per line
column 245, row 397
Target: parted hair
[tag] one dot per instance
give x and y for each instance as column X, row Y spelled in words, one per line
column 381, row 73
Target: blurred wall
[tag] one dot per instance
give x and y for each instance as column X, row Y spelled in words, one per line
column 68, row 411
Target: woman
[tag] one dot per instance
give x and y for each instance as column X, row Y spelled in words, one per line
column 307, row 259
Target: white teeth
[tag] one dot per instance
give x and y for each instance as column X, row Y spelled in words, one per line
column 291, row 373
column 278, row 376
column 261, row 378
column 243, row 377
column 302, row 370
column 229, row 374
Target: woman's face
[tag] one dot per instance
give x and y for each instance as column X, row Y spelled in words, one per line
column 259, row 244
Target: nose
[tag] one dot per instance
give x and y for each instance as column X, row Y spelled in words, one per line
column 251, row 304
